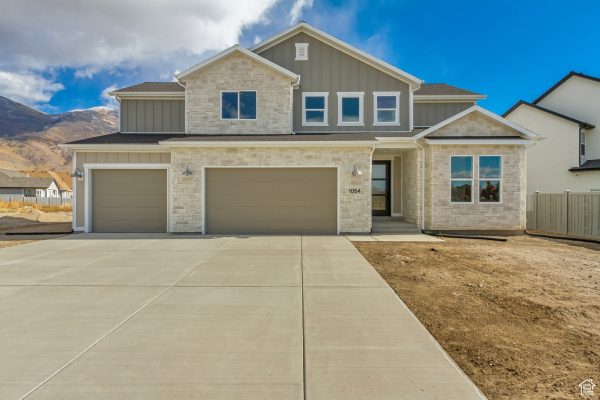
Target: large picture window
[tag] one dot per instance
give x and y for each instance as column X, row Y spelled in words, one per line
column 350, row 108
column 490, row 179
column 461, row 179
column 314, row 108
column 238, row 105
column 386, row 108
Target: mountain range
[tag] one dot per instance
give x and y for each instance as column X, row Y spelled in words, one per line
column 29, row 138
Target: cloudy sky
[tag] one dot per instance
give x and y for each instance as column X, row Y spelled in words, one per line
column 67, row 54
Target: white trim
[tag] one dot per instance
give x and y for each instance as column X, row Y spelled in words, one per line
column 237, row 48
column 423, row 98
column 74, row 196
column 479, row 141
column 340, row 45
column 311, row 143
column 526, row 132
column 325, row 111
column 472, row 179
column 396, row 110
column 411, row 107
column 238, row 105
column 299, row 48
column 501, row 179
column 203, row 198
column 361, row 113
column 87, row 177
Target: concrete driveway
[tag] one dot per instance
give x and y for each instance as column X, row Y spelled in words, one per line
column 184, row 317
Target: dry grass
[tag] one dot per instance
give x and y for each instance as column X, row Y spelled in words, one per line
column 12, row 206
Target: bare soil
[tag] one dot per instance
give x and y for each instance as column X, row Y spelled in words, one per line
column 521, row 318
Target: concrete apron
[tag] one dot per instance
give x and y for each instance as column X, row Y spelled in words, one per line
column 187, row 317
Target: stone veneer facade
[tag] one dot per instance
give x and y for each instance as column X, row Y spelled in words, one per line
column 508, row 215
column 238, row 72
column 186, row 191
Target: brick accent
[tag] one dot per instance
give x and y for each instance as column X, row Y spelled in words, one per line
column 474, row 124
column 186, row 191
column 440, row 214
column 238, row 72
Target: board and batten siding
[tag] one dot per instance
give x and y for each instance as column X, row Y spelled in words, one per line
column 330, row 70
column 430, row 114
column 83, row 158
column 152, row 116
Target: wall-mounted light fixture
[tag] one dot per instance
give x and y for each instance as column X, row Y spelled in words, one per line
column 188, row 171
column 356, row 171
column 77, row 174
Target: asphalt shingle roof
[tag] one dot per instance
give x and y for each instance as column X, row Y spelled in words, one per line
column 153, row 87
column 7, row 181
column 442, row 89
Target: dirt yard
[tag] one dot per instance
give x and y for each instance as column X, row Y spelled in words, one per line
column 521, row 318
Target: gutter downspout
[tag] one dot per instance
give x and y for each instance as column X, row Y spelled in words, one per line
column 422, row 186
column 294, row 86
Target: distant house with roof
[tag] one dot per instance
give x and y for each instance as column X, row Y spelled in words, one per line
column 568, row 116
column 15, row 185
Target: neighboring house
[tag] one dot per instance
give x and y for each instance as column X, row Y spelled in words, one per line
column 17, row 185
column 302, row 133
column 568, row 116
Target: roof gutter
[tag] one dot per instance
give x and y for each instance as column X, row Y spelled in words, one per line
column 274, row 143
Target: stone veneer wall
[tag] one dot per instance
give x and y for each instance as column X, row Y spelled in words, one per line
column 473, row 125
column 186, row 191
column 440, row 214
column 238, row 72
column 411, row 186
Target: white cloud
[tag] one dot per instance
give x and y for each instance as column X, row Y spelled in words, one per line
column 108, row 100
column 27, row 87
column 297, row 8
column 109, row 33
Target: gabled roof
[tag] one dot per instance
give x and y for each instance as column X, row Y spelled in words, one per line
column 237, row 48
column 7, row 181
column 156, row 87
column 563, row 80
column 443, row 89
column 340, row 45
column 526, row 132
column 582, row 124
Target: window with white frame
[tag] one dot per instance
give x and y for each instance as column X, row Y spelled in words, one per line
column 350, row 108
column 238, row 104
column 461, row 179
column 314, row 108
column 386, row 108
column 301, row 51
column 490, row 179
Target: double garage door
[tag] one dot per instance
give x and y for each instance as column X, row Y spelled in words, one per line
column 237, row 200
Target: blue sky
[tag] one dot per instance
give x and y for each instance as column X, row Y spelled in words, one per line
column 508, row 50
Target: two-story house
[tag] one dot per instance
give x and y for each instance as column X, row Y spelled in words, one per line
column 567, row 115
column 301, row 133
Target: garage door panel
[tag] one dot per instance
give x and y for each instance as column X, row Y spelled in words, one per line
column 129, row 200
column 271, row 200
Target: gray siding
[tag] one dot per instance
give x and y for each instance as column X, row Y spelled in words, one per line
column 429, row 114
column 153, row 116
column 330, row 70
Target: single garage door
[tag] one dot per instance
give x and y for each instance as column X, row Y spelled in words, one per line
column 129, row 200
column 271, row 200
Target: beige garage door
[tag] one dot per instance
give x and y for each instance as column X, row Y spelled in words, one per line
column 271, row 200
column 129, row 200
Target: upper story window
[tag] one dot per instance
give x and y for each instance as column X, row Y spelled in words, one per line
column 490, row 178
column 461, row 179
column 301, row 51
column 386, row 108
column 314, row 108
column 350, row 108
column 582, row 143
column 238, row 104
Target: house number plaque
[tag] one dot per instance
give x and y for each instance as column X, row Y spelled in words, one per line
column 354, row 190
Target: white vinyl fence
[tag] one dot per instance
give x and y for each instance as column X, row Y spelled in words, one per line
column 46, row 201
column 568, row 214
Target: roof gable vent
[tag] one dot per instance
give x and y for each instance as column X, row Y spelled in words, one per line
column 301, row 51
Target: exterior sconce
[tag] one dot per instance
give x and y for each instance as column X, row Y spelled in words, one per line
column 188, row 171
column 356, row 171
column 77, row 174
